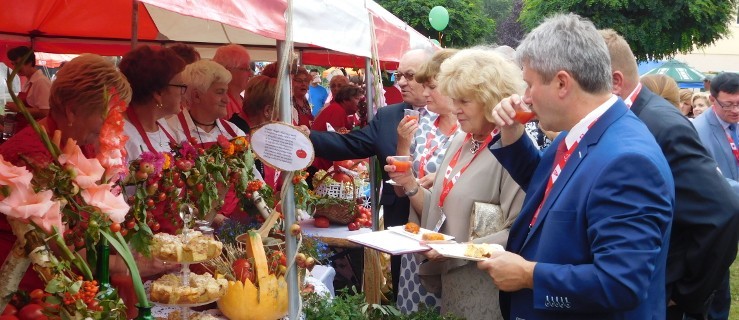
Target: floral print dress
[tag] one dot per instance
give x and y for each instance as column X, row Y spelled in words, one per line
column 427, row 150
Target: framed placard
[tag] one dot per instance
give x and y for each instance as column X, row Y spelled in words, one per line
column 282, row 146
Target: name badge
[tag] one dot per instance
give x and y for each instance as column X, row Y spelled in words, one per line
column 439, row 223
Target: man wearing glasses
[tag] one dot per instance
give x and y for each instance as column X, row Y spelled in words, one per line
column 717, row 129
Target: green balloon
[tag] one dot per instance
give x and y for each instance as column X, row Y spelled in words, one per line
column 439, row 18
column 436, row 42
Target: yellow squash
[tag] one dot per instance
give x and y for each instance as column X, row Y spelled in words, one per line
column 244, row 301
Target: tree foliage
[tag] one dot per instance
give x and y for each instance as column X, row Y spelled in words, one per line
column 655, row 29
column 510, row 31
column 468, row 24
column 498, row 10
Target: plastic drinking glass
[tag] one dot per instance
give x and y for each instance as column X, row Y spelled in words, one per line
column 402, row 163
column 523, row 116
column 412, row 114
column 8, row 124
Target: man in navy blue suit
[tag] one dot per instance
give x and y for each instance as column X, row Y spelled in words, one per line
column 380, row 138
column 705, row 224
column 591, row 240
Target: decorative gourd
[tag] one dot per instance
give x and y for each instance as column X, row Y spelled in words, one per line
column 244, row 301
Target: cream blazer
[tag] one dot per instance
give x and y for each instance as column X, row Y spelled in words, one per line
column 485, row 180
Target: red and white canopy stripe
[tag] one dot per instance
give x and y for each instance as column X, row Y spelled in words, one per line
column 323, row 29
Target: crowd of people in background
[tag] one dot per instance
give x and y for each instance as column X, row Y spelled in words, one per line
column 619, row 201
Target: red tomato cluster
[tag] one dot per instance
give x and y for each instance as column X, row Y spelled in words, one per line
column 363, row 219
column 30, row 307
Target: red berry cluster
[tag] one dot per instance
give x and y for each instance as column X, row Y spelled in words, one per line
column 297, row 179
column 254, row 185
column 87, row 293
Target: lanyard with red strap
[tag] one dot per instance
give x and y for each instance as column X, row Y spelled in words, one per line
column 186, row 128
column 560, row 161
column 632, row 97
column 732, row 144
column 430, row 151
column 140, row 129
column 449, row 182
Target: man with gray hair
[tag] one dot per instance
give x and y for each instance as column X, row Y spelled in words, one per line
column 590, row 241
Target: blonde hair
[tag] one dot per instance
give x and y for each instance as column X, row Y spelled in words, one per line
column 622, row 58
column 663, row 86
column 260, row 92
column 429, row 70
column 703, row 96
column 686, row 95
column 200, row 75
column 83, row 85
column 481, row 75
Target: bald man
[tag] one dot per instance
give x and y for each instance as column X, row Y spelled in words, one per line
column 380, row 138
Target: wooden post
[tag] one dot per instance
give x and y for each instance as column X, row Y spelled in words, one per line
column 16, row 263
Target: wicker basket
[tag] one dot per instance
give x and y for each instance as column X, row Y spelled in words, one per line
column 341, row 212
column 345, row 194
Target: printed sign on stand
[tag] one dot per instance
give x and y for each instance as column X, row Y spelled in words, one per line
column 282, row 147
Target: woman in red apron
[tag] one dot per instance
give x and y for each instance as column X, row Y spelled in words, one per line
column 155, row 77
column 204, row 122
column 78, row 105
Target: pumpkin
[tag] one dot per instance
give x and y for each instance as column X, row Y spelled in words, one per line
column 246, row 301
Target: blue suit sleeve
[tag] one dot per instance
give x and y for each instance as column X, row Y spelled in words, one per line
column 356, row 144
column 628, row 213
column 520, row 159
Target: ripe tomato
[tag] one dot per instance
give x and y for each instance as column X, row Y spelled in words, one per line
column 10, row 310
column 321, row 222
column 114, row 227
column 341, row 177
column 37, row 294
column 347, row 164
column 353, row 226
column 31, row 311
column 8, row 317
column 243, row 270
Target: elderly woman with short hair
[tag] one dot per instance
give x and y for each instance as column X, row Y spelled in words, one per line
column 237, row 61
column 207, row 95
column 156, row 81
column 476, row 80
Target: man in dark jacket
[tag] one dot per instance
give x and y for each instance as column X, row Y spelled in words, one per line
column 705, row 227
column 380, row 138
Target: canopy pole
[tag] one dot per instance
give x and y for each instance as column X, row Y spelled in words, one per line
column 288, row 194
column 135, row 24
column 370, row 95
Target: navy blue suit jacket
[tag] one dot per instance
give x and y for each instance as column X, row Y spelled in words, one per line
column 600, row 241
column 705, row 224
column 379, row 138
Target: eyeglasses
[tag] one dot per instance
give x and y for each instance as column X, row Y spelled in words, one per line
column 301, row 80
column 408, row 76
column 727, row 106
column 183, row 87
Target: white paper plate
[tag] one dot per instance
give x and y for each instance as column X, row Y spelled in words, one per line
column 456, row 250
column 393, row 183
column 418, row 237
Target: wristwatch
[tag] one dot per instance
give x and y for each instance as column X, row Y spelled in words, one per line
column 412, row 192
